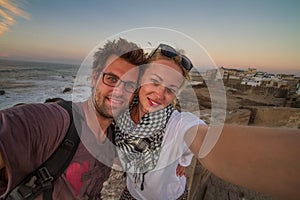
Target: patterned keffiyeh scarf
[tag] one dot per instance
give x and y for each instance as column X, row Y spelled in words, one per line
column 139, row 145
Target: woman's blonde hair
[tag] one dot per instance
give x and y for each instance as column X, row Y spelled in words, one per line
column 176, row 59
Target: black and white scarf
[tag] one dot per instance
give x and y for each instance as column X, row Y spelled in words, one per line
column 139, row 145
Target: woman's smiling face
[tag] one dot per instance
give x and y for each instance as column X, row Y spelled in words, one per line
column 159, row 84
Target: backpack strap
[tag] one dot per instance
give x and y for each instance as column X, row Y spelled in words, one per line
column 42, row 179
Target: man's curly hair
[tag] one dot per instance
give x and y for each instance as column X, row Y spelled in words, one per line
column 121, row 48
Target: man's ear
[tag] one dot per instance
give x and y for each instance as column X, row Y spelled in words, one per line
column 95, row 76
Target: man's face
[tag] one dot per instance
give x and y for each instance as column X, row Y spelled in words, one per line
column 111, row 101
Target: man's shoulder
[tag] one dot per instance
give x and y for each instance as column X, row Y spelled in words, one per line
column 33, row 110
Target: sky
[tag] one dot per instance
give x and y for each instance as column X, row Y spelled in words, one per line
column 262, row 34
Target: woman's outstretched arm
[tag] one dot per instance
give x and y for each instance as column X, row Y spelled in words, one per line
column 259, row 158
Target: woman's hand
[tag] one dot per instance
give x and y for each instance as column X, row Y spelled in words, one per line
column 180, row 170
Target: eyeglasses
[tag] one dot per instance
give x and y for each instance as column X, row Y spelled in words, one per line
column 114, row 81
column 170, row 52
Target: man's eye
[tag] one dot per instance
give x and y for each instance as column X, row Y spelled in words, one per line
column 112, row 79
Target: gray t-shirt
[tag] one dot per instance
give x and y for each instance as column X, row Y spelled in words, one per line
column 30, row 133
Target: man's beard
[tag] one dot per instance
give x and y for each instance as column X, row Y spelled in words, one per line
column 103, row 109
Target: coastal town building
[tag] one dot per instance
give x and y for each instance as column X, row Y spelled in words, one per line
column 251, row 77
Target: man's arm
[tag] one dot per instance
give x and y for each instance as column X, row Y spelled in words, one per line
column 3, row 172
column 259, row 158
column 2, row 164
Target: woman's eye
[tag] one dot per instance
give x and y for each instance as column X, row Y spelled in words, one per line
column 171, row 91
column 154, row 81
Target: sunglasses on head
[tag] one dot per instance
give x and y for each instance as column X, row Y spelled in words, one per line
column 170, row 52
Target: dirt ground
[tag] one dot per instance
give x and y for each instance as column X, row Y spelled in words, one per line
column 114, row 186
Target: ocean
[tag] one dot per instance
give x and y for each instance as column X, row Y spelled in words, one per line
column 34, row 82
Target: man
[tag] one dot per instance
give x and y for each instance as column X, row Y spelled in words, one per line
column 30, row 133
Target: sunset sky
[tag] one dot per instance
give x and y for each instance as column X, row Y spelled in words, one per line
column 236, row 34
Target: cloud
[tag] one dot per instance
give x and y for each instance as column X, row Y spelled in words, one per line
column 8, row 11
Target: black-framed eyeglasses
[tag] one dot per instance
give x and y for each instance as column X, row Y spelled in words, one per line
column 170, row 52
column 114, row 81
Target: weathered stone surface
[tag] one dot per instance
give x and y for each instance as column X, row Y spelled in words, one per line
column 205, row 186
column 240, row 116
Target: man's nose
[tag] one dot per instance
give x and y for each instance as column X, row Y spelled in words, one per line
column 119, row 88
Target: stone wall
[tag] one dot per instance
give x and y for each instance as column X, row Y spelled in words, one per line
column 261, row 90
column 275, row 117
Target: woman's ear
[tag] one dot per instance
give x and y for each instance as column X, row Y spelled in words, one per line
column 176, row 104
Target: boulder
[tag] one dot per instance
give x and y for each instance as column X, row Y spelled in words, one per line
column 67, row 89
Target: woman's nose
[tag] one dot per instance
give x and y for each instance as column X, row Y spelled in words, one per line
column 160, row 91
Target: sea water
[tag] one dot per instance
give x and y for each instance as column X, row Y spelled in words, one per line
column 34, row 82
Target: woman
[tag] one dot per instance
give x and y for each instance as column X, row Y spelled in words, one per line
column 153, row 138
column 150, row 135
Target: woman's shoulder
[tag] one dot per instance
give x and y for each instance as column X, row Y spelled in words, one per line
column 185, row 117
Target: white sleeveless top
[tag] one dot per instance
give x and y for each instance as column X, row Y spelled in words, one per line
column 162, row 182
